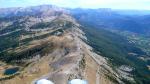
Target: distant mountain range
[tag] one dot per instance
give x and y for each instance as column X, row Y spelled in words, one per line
column 114, row 19
column 133, row 12
column 130, row 20
column 35, row 10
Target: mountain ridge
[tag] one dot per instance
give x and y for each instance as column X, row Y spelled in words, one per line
column 52, row 47
column 60, row 45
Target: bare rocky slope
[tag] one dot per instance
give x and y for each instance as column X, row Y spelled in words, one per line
column 54, row 47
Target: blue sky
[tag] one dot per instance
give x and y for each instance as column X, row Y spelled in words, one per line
column 115, row 4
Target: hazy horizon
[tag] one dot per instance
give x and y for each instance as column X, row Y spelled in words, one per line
column 113, row 4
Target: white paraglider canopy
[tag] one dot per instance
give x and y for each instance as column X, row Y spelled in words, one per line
column 44, row 81
column 78, row 81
